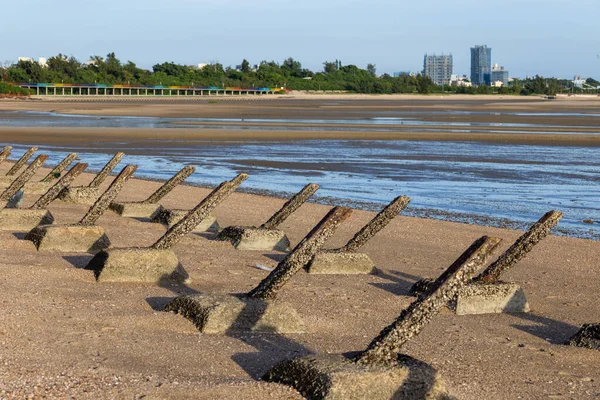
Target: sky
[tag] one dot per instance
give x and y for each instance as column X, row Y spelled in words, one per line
column 558, row 38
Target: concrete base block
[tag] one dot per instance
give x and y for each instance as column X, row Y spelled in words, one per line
column 588, row 336
column 335, row 377
column 30, row 187
column 330, row 262
column 252, row 238
column 486, row 298
column 170, row 217
column 137, row 264
column 68, row 238
column 134, row 210
column 23, row 220
column 37, row 187
column 223, row 313
column 80, row 195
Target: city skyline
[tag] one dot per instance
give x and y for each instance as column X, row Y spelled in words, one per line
column 554, row 44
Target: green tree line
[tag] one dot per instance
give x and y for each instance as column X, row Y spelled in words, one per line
column 289, row 74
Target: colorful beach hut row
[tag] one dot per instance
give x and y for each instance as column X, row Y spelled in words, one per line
column 145, row 87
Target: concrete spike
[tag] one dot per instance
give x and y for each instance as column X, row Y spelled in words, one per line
column 44, row 201
column 588, row 336
column 170, row 217
column 5, row 153
column 20, row 181
column 376, row 224
column 521, row 247
column 24, row 158
column 108, row 168
column 147, row 208
column 157, row 263
column 101, row 205
column 384, row 349
column 290, row 206
column 198, row 213
column 52, row 175
column 170, row 185
column 301, row 255
column 515, row 253
column 346, row 260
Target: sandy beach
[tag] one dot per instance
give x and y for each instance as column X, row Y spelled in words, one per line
column 64, row 335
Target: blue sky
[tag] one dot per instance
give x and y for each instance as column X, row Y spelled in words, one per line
column 547, row 37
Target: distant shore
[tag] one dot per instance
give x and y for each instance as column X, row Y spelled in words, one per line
column 314, row 95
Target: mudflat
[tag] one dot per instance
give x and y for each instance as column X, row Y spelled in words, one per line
column 563, row 122
column 65, row 335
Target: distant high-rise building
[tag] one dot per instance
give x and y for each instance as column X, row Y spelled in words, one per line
column 438, row 68
column 499, row 74
column 481, row 65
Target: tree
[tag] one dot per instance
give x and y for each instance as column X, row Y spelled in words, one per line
column 424, row 84
column 515, row 87
column 552, row 87
column 536, row 85
column 32, row 69
column 245, row 66
column 291, row 67
column 113, row 66
column 330, row 67
column 592, row 82
column 372, row 70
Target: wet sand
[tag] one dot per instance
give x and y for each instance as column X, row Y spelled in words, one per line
column 301, row 106
column 64, row 335
column 582, row 129
column 137, row 137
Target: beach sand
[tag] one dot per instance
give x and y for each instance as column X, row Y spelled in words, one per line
column 64, row 335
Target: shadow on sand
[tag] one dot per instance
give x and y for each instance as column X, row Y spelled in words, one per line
column 551, row 330
column 400, row 282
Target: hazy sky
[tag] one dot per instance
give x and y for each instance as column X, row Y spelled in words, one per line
column 547, row 37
